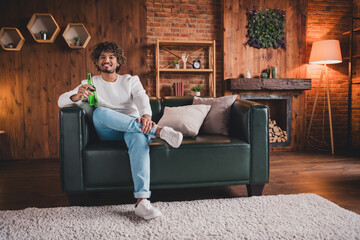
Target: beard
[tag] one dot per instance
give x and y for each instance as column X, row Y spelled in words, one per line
column 104, row 70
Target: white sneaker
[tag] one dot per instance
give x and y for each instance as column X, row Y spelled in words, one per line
column 172, row 137
column 146, row 211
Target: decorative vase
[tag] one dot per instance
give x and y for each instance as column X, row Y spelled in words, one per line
column 274, row 72
column 248, row 75
column 197, row 94
column 184, row 58
column 44, row 36
column 264, row 75
column 177, row 66
column 268, row 72
column 77, row 43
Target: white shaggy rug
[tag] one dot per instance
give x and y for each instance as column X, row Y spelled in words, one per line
column 303, row 216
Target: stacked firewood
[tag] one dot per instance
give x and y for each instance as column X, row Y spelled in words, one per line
column 276, row 134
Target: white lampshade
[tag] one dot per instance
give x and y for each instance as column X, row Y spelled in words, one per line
column 325, row 52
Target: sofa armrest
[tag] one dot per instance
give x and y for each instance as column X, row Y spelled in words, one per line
column 76, row 130
column 250, row 122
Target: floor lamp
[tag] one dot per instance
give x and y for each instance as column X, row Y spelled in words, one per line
column 324, row 52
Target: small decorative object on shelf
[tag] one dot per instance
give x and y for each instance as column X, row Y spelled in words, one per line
column 43, row 35
column 274, row 72
column 184, row 57
column 266, row 28
column 248, row 74
column 73, row 33
column 196, row 64
column 176, row 65
column 263, row 75
column 77, row 41
column 43, row 28
column 197, row 90
column 11, row 39
column 268, row 72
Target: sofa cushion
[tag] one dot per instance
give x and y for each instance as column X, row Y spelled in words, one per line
column 211, row 159
column 185, row 119
column 217, row 120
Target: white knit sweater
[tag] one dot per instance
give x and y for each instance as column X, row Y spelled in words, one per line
column 125, row 95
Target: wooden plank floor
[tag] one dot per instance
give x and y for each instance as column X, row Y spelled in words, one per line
column 36, row 183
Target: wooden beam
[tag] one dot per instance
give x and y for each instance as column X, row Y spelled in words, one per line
column 269, row 83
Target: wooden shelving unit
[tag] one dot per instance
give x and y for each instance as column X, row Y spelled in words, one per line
column 211, row 70
column 11, row 39
column 76, row 30
column 352, row 56
column 43, row 22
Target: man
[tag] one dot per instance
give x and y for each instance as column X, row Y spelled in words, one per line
column 124, row 113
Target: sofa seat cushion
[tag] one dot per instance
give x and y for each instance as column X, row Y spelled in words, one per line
column 203, row 140
column 210, row 159
column 207, row 159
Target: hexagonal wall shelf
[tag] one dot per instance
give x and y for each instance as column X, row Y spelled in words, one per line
column 76, row 31
column 43, row 22
column 11, row 39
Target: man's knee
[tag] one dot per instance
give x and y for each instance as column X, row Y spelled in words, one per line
column 99, row 114
column 137, row 138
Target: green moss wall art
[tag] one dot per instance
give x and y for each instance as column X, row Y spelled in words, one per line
column 266, row 28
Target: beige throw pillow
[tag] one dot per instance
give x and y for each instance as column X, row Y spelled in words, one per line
column 217, row 120
column 185, row 119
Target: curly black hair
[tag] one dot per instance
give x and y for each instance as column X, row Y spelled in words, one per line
column 111, row 47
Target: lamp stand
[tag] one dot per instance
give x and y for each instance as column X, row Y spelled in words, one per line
column 323, row 72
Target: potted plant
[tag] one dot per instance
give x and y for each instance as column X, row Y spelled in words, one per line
column 43, row 35
column 197, row 90
column 176, row 64
column 77, row 41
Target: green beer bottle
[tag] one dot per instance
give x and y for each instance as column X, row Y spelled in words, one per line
column 92, row 98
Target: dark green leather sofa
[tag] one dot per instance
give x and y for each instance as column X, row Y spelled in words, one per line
column 88, row 164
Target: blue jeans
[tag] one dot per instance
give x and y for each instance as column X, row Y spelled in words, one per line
column 111, row 125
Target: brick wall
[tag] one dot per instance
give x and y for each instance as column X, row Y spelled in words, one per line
column 201, row 20
column 328, row 20
column 183, row 20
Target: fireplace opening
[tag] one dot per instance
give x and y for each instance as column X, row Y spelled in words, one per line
column 280, row 117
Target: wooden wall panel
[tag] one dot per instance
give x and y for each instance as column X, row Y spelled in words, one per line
column 239, row 58
column 32, row 79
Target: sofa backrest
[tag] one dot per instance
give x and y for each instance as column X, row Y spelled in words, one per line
column 158, row 104
column 172, row 101
column 155, row 104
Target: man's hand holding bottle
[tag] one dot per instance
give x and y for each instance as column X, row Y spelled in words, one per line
column 83, row 92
